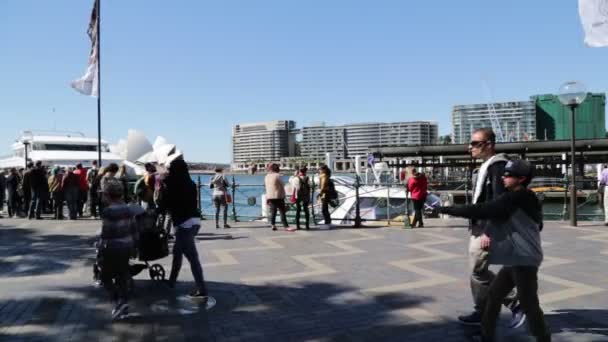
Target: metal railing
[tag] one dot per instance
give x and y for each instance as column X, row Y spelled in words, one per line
column 367, row 204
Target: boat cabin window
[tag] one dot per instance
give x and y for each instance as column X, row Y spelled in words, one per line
column 68, row 147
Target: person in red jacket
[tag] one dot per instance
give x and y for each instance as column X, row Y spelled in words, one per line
column 83, row 187
column 417, row 186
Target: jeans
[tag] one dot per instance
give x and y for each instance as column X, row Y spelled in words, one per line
column 82, row 199
column 277, row 203
column 57, row 204
column 184, row 245
column 13, row 204
column 525, row 279
column 325, row 211
column 418, row 206
column 36, row 204
column 220, row 201
column 482, row 277
column 302, row 204
column 115, row 273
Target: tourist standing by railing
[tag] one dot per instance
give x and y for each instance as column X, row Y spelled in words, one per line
column 83, row 187
column 275, row 197
column 71, row 187
column 325, row 193
column 93, row 189
column 220, row 185
column 56, row 190
column 39, row 189
column 12, row 187
column 301, row 184
column 26, row 188
column 417, row 186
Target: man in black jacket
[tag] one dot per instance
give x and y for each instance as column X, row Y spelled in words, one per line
column 39, row 188
column 26, row 188
column 487, row 186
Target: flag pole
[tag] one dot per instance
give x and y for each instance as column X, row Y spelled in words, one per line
column 98, row 10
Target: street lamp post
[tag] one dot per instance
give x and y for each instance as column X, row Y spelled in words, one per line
column 572, row 94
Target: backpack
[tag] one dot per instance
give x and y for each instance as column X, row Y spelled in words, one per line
column 331, row 194
column 304, row 190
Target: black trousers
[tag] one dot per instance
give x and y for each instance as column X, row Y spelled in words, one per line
column 525, row 279
column 325, row 211
column 418, row 206
column 93, row 203
column 302, row 204
column 57, row 204
column 115, row 273
column 277, row 203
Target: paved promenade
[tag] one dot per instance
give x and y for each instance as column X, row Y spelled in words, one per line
column 372, row 284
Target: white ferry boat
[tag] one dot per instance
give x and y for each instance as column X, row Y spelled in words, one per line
column 57, row 148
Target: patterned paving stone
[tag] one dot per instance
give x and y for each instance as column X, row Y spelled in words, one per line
column 372, row 284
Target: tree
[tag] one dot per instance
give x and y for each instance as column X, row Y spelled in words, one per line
column 445, row 140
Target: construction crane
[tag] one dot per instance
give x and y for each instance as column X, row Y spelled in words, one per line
column 500, row 137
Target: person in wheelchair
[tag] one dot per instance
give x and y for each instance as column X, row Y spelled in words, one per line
column 117, row 245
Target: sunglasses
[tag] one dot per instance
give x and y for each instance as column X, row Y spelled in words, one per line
column 475, row 143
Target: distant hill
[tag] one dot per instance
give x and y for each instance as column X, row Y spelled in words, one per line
column 207, row 166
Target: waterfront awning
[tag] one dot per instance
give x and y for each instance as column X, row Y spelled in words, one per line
column 523, row 148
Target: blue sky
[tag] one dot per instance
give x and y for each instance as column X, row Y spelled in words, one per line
column 190, row 69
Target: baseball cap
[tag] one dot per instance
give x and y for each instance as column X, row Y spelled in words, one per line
column 518, row 168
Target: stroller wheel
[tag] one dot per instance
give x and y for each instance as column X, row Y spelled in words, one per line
column 157, row 272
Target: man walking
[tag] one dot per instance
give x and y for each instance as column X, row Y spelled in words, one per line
column 26, row 188
column 487, row 186
column 603, row 184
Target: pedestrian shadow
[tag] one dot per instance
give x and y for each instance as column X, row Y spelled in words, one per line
column 211, row 236
column 592, row 323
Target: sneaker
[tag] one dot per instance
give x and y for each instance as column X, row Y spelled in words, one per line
column 290, row 229
column 472, row 319
column 217, row 226
column 120, row 310
column 274, row 228
column 518, row 318
column 226, row 226
column 197, row 294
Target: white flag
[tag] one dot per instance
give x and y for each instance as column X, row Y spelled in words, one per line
column 594, row 17
column 88, row 83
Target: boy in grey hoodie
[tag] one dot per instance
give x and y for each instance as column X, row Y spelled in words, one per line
column 513, row 240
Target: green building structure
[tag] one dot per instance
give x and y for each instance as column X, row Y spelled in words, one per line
column 553, row 118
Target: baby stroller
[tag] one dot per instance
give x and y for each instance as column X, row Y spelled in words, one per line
column 151, row 245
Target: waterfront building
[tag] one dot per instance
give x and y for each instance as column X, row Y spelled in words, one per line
column 553, row 118
column 348, row 141
column 261, row 142
column 517, row 120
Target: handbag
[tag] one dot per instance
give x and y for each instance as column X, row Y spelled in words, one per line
column 293, row 198
column 228, row 198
